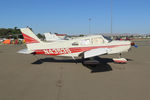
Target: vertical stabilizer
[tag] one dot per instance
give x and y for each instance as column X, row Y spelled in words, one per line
column 31, row 40
column 29, row 36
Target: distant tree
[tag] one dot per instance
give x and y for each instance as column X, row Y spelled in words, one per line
column 81, row 35
column 131, row 36
column 15, row 28
column 39, row 35
column 7, row 32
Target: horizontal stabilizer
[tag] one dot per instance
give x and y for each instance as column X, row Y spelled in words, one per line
column 25, row 51
column 95, row 52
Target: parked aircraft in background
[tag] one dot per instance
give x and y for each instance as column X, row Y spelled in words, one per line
column 84, row 47
column 55, row 37
column 51, row 37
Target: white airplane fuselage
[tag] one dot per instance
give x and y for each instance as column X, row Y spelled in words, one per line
column 67, row 48
column 88, row 46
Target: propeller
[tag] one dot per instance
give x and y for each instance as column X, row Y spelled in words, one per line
column 133, row 44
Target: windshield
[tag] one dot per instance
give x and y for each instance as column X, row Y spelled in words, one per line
column 107, row 38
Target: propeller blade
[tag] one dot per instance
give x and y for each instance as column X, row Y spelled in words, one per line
column 136, row 46
column 133, row 44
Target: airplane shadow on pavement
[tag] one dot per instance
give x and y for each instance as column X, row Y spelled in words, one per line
column 97, row 64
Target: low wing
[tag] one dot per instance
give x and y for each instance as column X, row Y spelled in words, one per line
column 95, row 52
column 25, row 51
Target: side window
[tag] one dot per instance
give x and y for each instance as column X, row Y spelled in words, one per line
column 97, row 40
column 75, row 43
column 85, row 42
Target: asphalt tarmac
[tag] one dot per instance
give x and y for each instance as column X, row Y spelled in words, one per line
column 24, row 77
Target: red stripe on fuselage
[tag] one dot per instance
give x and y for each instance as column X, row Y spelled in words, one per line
column 61, row 51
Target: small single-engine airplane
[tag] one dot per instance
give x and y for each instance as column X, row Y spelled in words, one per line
column 84, row 47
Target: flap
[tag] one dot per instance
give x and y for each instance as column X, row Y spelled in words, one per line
column 95, row 52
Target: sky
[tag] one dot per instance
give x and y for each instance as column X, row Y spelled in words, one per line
column 71, row 16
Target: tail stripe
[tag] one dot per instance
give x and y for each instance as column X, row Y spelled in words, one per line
column 29, row 39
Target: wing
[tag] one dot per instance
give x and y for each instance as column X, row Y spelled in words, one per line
column 25, row 51
column 95, row 52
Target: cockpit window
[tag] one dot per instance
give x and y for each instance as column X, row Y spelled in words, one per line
column 85, row 42
column 107, row 38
